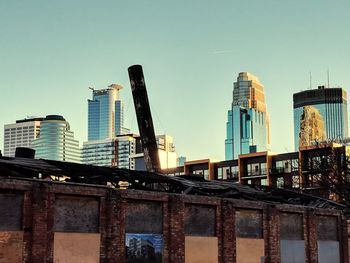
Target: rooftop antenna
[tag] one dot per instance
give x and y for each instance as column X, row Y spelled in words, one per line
column 310, row 80
column 92, row 88
column 328, row 77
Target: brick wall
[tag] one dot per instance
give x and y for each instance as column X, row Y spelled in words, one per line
column 117, row 212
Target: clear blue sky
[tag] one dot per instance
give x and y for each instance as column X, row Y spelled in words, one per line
column 191, row 51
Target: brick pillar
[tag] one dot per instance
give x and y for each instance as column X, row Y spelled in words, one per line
column 166, row 231
column 40, row 237
column 104, row 226
column 176, row 229
column 219, row 233
column 272, row 235
column 50, row 225
column 310, row 234
column 119, row 231
column 110, row 228
column 114, row 242
column 27, row 222
column 228, row 232
column 343, row 240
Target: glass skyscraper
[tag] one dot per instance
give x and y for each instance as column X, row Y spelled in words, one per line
column 248, row 126
column 320, row 114
column 108, row 141
column 113, row 152
column 105, row 114
column 56, row 141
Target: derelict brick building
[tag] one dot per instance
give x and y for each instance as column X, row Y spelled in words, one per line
column 47, row 220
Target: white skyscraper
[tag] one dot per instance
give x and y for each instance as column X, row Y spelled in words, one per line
column 20, row 134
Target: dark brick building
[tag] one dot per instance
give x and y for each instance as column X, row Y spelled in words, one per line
column 54, row 219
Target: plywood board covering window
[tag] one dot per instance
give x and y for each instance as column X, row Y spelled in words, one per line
column 76, row 248
column 201, row 249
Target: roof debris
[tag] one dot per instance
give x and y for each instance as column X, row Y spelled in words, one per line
column 142, row 180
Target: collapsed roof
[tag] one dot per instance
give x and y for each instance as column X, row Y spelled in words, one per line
column 147, row 181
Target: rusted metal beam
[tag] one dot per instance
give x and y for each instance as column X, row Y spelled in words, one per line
column 144, row 118
column 27, row 169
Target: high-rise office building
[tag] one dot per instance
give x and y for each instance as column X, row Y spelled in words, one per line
column 248, row 125
column 125, row 151
column 109, row 143
column 55, row 141
column 114, row 152
column 319, row 114
column 105, row 114
column 166, row 153
column 20, row 134
column 180, row 161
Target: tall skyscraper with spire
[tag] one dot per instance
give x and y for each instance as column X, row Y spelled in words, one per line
column 109, row 143
column 248, row 124
column 105, row 114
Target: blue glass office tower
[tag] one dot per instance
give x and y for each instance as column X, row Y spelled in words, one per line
column 105, row 114
column 247, row 127
column 55, row 141
column 320, row 114
column 108, row 140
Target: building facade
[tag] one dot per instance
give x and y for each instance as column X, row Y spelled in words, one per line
column 105, row 114
column 247, row 127
column 166, row 153
column 300, row 171
column 100, row 152
column 55, row 141
column 125, row 151
column 180, row 161
column 114, row 152
column 20, row 134
column 93, row 224
column 320, row 114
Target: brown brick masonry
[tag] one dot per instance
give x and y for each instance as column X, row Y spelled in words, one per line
column 38, row 210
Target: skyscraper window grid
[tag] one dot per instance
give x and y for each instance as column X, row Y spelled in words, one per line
column 247, row 127
column 56, row 141
column 331, row 104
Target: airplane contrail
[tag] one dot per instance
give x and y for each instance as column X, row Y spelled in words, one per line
column 222, row 51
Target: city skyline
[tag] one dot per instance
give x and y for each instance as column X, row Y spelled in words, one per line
column 190, row 63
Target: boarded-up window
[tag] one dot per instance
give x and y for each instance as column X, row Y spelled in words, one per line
column 76, row 247
column 144, row 217
column 200, row 220
column 249, row 224
column 291, row 226
column 327, row 228
column 201, row 249
column 11, row 205
column 76, row 214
